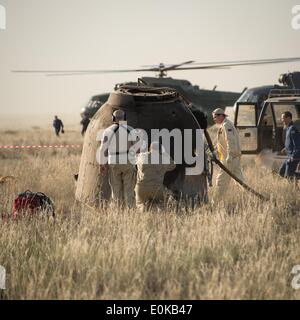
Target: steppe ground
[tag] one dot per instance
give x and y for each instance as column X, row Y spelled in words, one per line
column 242, row 248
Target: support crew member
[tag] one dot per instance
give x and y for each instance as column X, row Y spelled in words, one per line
column 120, row 164
column 58, row 126
column 228, row 151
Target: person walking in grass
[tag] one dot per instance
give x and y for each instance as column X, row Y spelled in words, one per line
column 58, row 126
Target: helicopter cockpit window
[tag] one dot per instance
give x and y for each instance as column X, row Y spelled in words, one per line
column 246, row 115
column 186, row 83
column 248, row 96
column 90, row 103
column 279, row 109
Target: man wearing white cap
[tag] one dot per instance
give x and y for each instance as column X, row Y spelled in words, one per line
column 228, row 151
column 121, row 161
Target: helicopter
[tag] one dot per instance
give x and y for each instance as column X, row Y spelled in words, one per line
column 202, row 99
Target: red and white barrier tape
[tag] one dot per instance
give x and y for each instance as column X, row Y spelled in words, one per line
column 42, row 147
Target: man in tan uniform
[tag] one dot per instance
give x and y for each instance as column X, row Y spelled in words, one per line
column 228, row 151
column 150, row 176
column 121, row 163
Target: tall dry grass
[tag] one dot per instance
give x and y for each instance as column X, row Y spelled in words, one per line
column 241, row 248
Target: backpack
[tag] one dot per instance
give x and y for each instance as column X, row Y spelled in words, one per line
column 32, row 202
column 115, row 131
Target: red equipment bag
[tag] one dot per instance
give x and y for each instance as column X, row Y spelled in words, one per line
column 29, row 202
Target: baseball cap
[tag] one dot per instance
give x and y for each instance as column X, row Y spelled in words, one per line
column 219, row 111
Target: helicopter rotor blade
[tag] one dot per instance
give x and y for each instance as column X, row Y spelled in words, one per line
column 99, row 72
column 207, row 65
column 74, row 72
column 163, row 66
column 87, row 73
column 180, row 66
column 57, row 73
column 174, row 66
column 95, row 72
column 81, row 71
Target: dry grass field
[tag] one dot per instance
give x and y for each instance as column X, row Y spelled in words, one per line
column 241, row 248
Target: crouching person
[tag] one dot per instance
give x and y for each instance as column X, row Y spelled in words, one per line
column 151, row 169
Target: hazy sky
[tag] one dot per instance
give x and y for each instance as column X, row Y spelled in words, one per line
column 89, row 34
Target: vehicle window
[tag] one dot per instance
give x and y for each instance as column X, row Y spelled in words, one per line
column 246, row 115
column 268, row 116
column 280, row 108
